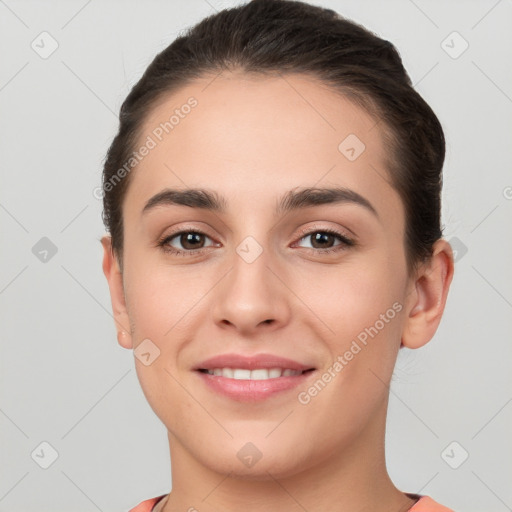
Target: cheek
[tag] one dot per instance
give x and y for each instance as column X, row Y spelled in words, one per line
column 163, row 300
column 363, row 312
column 353, row 297
column 162, row 310
column 352, row 389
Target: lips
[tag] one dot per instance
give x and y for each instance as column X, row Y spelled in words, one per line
column 233, row 375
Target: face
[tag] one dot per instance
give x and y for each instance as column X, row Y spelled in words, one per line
column 322, row 283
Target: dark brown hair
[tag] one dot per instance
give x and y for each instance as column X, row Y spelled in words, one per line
column 281, row 36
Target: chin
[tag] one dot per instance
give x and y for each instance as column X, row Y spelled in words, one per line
column 247, row 462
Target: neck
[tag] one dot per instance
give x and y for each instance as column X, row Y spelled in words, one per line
column 352, row 478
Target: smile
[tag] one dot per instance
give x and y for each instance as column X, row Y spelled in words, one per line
column 256, row 374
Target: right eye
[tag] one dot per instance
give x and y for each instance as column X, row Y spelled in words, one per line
column 190, row 240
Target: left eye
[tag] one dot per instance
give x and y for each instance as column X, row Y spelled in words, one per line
column 326, row 236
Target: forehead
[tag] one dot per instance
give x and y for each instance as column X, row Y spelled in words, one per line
column 255, row 138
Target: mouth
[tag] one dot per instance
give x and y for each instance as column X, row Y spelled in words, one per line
column 254, row 377
column 256, row 385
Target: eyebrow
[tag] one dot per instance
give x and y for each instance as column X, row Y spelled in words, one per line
column 206, row 199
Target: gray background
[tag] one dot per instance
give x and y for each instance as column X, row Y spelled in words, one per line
column 65, row 380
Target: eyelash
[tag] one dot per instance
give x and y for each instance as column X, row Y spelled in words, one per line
column 345, row 242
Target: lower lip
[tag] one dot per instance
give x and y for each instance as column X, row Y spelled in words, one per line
column 245, row 390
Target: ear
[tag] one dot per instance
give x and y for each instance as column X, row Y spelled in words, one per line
column 427, row 299
column 114, row 277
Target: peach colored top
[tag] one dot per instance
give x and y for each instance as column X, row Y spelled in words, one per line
column 424, row 504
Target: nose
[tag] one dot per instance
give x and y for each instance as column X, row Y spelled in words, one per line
column 252, row 296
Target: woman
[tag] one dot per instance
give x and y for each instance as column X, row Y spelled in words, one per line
column 272, row 200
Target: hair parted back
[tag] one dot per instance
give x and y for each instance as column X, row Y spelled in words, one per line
column 272, row 37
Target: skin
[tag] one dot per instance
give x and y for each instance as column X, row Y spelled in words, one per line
column 253, row 139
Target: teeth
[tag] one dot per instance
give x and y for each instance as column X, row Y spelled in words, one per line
column 274, row 372
column 241, row 374
column 257, row 374
column 226, row 372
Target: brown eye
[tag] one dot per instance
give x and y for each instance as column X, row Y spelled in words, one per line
column 323, row 241
column 186, row 241
column 191, row 240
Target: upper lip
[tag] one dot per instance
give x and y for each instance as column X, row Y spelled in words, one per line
column 251, row 362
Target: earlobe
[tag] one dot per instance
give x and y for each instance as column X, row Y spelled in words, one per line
column 114, row 277
column 124, row 339
column 428, row 297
